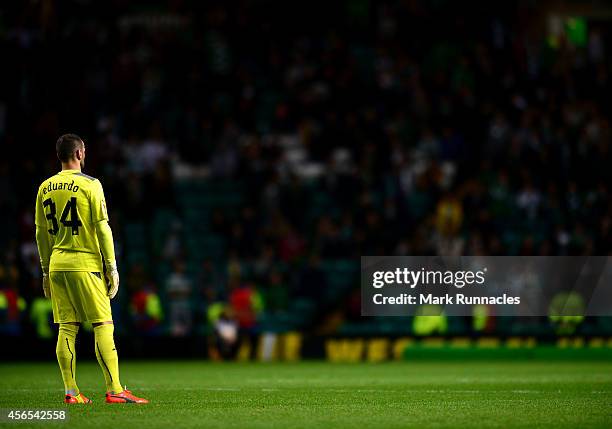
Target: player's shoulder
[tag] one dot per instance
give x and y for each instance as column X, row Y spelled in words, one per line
column 85, row 176
column 88, row 183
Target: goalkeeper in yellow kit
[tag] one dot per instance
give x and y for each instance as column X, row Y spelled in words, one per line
column 76, row 250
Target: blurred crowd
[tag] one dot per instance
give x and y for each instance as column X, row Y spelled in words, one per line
column 349, row 128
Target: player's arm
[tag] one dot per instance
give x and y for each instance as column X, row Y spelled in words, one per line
column 43, row 242
column 105, row 237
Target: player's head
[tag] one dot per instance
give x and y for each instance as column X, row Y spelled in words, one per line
column 70, row 148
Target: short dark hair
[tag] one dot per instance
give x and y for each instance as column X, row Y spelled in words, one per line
column 66, row 145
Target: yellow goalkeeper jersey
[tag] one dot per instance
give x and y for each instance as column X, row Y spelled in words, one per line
column 68, row 205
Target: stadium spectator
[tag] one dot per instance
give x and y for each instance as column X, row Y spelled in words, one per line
column 246, row 303
column 179, row 289
column 146, row 310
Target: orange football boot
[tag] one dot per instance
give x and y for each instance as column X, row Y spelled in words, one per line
column 124, row 397
column 77, row 399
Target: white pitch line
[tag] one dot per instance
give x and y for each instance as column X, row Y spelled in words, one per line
column 332, row 390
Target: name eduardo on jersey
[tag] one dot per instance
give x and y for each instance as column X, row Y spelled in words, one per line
column 54, row 186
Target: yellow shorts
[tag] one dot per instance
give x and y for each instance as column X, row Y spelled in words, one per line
column 79, row 296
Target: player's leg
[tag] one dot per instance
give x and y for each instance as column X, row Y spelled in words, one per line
column 66, row 355
column 96, row 306
column 68, row 319
column 106, row 352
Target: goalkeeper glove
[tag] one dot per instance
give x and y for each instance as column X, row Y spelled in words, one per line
column 46, row 283
column 112, row 276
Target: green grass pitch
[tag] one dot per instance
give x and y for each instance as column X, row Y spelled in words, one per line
column 528, row 394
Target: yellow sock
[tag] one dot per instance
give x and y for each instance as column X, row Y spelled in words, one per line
column 66, row 356
column 107, row 357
